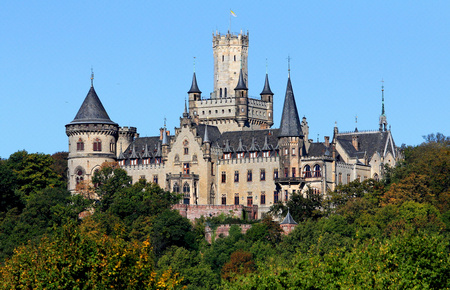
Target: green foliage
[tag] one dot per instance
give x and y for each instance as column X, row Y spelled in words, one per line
column 60, row 164
column 77, row 259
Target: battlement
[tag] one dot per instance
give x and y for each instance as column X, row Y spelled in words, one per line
column 97, row 128
column 127, row 130
column 230, row 38
column 247, row 160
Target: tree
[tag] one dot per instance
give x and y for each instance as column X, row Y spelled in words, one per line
column 76, row 258
column 241, row 263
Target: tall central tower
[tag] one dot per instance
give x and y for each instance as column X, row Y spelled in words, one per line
column 230, row 55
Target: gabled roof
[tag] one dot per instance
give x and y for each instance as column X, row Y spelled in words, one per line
column 194, row 88
column 92, row 111
column 290, row 122
column 266, row 90
column 369, row 143
column 246, row 137
column 241, row 83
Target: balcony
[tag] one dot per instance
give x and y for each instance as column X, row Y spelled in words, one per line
column 289, row 180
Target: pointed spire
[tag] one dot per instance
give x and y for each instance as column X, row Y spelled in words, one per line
column 121, row 155
column 164, row 137
column 227, row 148
column 133, row 153
column 289, row 220
column 92, row 110
column 240, row 147
column 92, row 77
column 146, row 152
column 383, row 119
column 253, row 147
column 206, row 137
column 356, row 123
column 158, row 150
column 266, row 145
column 382, row 98
column 266, row 90
column 290, row 122
column 185, row 113
column 194, row 87
column 241, row 84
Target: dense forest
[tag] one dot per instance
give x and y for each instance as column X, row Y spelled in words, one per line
column 389, row 234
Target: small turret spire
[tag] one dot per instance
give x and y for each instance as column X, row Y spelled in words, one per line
column 382, row 98
column 241, row 84
column 194, row 87
column 266, row 89
column 185, row 114
column 206, row 138
column 290, row 122
column 356, row 123
column 289, row 66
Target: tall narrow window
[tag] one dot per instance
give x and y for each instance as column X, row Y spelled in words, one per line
column 236, row 176
column 293, row 172
column 236, row 199
column 317, row 172
column 79, row 177
column 249, row 200
column 286, row 172
column 155, row 178
column 186, row 193
column 307, row 171
column 176, row 188
column 220, row 92
column 225, row 92
column 97, row 145
column 249, row 175
column 263, row 198
column 224, row 199
column 275, row 196
column 275, row 173
column 263, row 175
column 224, row 177
column 185, row 168
column 348, row 178
column 80, row 145
column 340, row 178
column 286, row 195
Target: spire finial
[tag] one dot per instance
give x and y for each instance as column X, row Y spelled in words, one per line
column 165, row 123
column 194, row 64
column 356, row 123
column 266, row 65
column 382, row 98
column 92, row 77
column 289, row 65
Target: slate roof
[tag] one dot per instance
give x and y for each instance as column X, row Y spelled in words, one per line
column 92, row 111
column 288, row 220
column 290, row 122
column 140, row 143
column 266, row 90
column 194, row 88
column 369, row 143
column 246, row 138
column 318, row 149
column 241, row 83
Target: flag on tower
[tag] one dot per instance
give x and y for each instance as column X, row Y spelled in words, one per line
column 232, row 13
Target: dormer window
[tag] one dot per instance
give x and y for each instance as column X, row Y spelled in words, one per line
column 252, row 154
column 240, row 155
column 80, row 145
column 133, row 162
column 97, row 145
column 266, row 154
column 226, row 155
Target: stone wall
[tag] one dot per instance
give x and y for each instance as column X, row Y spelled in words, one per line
column 193, row 212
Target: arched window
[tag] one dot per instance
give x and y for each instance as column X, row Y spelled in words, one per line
column 97, row 145
column 186, row 193
column 79, row 176
column 317, row 172
column 376, row 177
column 225, row 92
column 176, row 188
column 220, row 92
column 80, row 145
column 307, row 171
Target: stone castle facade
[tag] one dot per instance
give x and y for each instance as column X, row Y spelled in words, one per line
column 225, row 151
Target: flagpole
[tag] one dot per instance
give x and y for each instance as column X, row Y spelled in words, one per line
column 229, row 28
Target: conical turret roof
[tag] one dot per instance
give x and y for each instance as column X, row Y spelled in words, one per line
column 92, row 111
column 194, row 87
column 290, row 122
column 241, row 83
column 288, row 220
column 266, row 90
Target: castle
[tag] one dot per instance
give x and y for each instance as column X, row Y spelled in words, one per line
column 225, row 151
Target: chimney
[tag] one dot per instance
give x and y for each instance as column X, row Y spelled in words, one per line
column 161, row 131
column 327, row 141
column 355, row 142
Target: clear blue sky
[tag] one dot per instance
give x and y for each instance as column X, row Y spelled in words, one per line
column 142, row 54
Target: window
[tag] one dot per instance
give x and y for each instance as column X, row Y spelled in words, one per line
column 359, row 178
column 224, row 199
column 223, row 58
column 253, row 154
column 375, row 176
column 340, row 178
column 80, row 145
column 275, row 173
column 142, row 177
column 266, row 154
column 226, row 155
column 112, row 147
column 307, row 171
column 79, row 177
column 286, row 151
column 155, row 178
column 263, row 175
column 293, row 151
column 224, row 177
column 348, row 178
column 220, row 92
column 185, row 168
column 186, row 151
column 97, row 145
column 286, row 195
column 225, row 93
column 317, row 172
column 236, row 176
column 133, row 162
column 176, row 188
column 240, row 155
column 286, row 172
column 249, row 175
column 263, row 198
column 275, row 196
column 186, row 193
column 235, row 58
column 236, row 199
column 293, row 172
column 249, row 200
